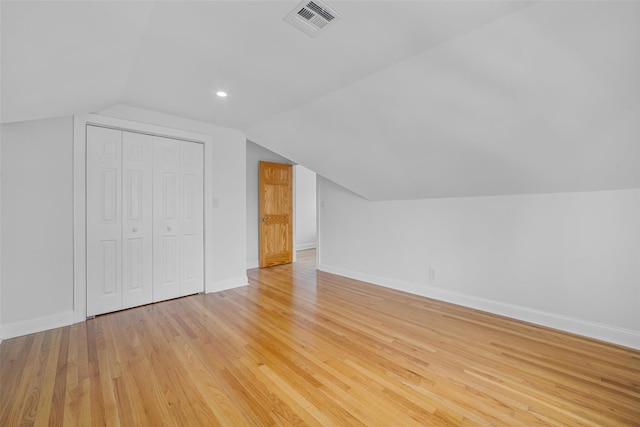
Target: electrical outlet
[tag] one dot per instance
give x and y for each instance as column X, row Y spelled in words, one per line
column 432, row 273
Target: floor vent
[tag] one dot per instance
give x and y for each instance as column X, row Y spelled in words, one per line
column 311, row 17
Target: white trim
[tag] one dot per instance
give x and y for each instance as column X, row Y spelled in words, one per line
column 40, row 324
column 598, row 331
column 1, row 333
column 80, row 123
column 303, row 246
column 294, row 210
column 226, row 284
column 318, row 238
column 253, row 264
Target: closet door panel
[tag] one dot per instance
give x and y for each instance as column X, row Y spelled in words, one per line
column 166, row 219
column 104, row 220
column 192, row 228
column 137, row 219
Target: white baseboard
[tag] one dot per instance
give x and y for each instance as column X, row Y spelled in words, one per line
column 598, row 331
column 24, row 327
column 223, row 285
column 253, row 264
column 303, row 246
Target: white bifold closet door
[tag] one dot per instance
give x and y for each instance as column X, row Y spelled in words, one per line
column 133, row 198
column 137, row 219
column 178, row 265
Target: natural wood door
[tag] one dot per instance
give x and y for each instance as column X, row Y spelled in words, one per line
column 276, row 211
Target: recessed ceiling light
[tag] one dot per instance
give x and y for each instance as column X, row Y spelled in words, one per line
column 221, row 94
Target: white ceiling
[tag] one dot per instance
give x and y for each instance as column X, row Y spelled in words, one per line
column 397, row 100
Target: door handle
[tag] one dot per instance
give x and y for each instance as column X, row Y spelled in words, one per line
column 263, row 219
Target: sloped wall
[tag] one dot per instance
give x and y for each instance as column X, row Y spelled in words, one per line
column 567, row 260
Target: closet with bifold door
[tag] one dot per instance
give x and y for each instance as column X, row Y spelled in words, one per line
column 144, row 219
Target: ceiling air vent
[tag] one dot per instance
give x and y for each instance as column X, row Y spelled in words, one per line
column 311, row 17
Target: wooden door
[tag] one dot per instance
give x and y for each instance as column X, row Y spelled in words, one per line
column 276, row 212
column 104, row 220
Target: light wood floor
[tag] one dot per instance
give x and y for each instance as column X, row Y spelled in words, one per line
column 301, row 347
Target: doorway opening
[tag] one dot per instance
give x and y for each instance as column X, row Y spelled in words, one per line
column 303, row 203
column 306, row 210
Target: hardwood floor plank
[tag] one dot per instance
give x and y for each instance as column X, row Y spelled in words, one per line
column 30, row 370
column 301, row 347
column 57, row 400
column 95, row 341
column 77, row 404
column 46, row 385
column 12, row 364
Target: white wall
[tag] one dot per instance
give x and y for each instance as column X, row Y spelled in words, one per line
column 569, row 261
column 37, row 225
column 305, row 208
column 255, row 154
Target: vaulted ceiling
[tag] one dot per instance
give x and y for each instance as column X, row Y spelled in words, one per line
column 396, row 100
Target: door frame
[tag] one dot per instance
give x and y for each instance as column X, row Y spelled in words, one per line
column 80, row 123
